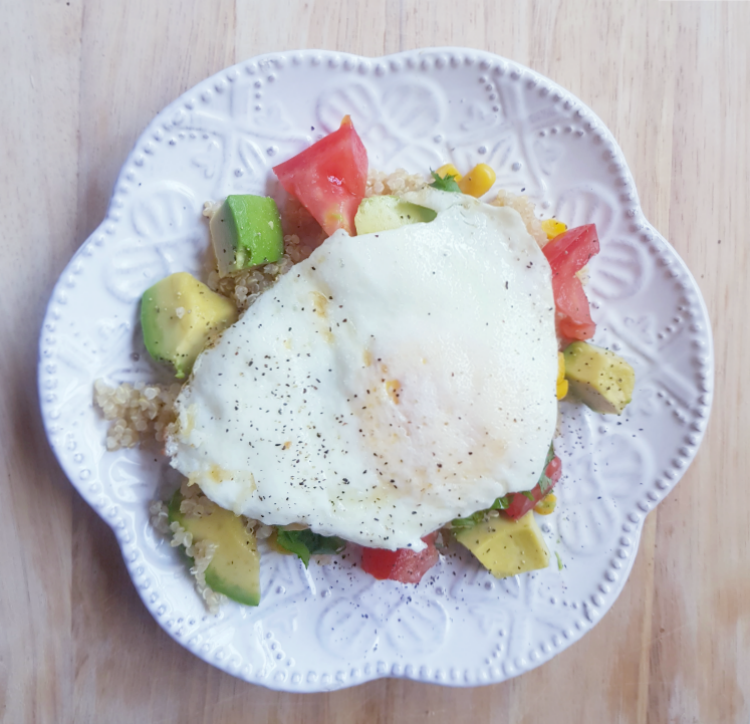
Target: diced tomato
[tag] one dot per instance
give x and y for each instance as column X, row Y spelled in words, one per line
column 329, row 178
column 567, row 254
column 403, row 565
column 571, row 250
column 520, row 504
column 572, row 309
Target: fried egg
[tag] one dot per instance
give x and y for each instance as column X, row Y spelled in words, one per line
column 387, row 384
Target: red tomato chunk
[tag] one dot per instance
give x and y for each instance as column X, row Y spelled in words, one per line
column 402, row 565
column 568, row 254
column 329, row 178
column 520, row 505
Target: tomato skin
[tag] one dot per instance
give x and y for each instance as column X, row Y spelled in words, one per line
column 520, row 505
column 379, row 562
column 572, row 311
column 567, row 254
column 329, row 178
column 403, row 565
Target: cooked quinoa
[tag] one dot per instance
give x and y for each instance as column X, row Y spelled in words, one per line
column 525, row 207
column 139, row 412
column 396, row 183
column 244, row 287
column 202, row 552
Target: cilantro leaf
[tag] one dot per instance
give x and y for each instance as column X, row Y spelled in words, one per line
column 304, row 543
column 445, row 184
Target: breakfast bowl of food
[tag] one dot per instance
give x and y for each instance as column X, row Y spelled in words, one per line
column 375, row 368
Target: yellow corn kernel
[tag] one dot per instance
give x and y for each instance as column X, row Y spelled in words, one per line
column 553, row 228
column 448, row 169
column 562, row 383
column 478, row 181
column 546, row 505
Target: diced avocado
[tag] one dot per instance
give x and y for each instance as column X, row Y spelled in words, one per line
column 599, row 378
column 179, row 315
column 506, row 547
column 235, row 567
column 246, row 232
column 382, row 213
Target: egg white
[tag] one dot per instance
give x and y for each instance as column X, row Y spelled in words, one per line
column 384, row 386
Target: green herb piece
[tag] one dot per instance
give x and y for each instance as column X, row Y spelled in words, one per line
column 468, row 522
column 445, row 184
column 559, row 561
column 476, row 518
column 502, row 503
column 305, row 543
column 528, row 494
column 545, row 484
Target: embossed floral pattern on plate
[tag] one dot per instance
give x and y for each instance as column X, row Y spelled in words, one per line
column 329, row 627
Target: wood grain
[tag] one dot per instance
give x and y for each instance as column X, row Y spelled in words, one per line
column 80, row 81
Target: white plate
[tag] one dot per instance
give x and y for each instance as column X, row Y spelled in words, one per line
column 331, row 627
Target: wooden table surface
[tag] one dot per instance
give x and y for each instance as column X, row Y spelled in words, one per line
column 81, row 79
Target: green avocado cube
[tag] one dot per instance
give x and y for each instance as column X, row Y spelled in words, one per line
column 507, row 547
column 246, row 232
column 383, row 213
column 234, row 569
column 601, row 379
column 179, row 317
